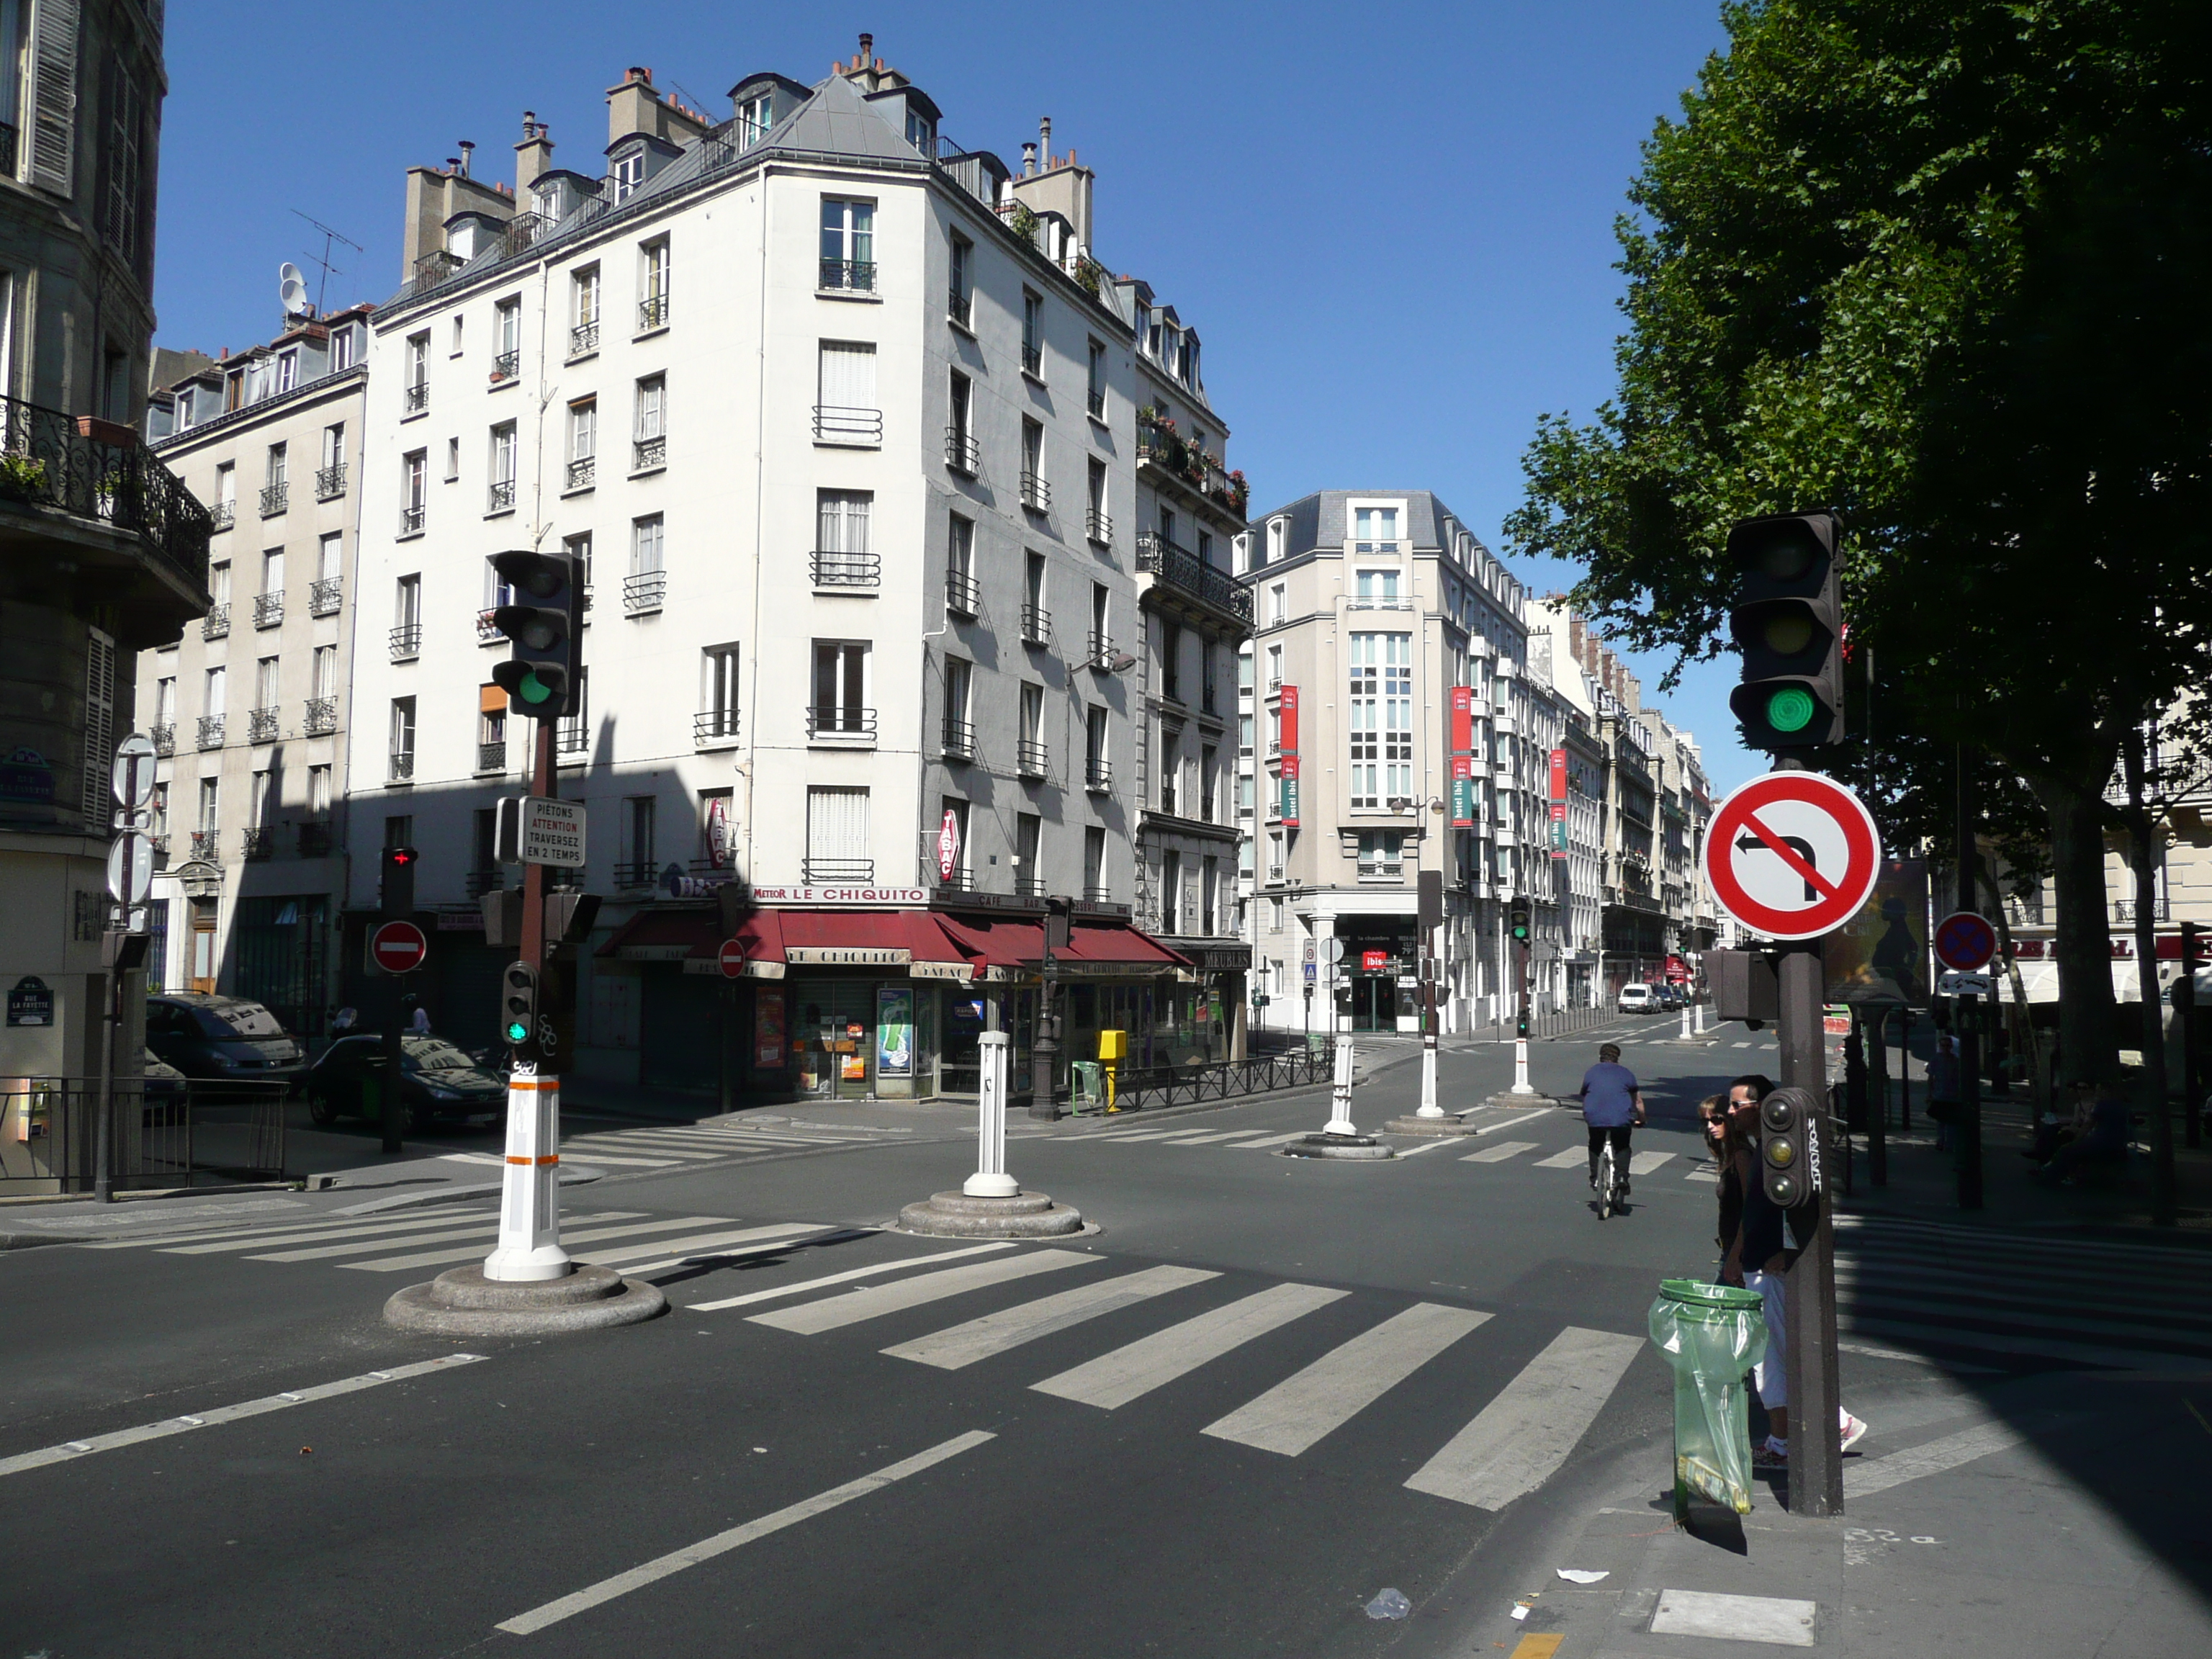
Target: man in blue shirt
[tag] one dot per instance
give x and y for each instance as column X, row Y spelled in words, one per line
column 1611, row 1106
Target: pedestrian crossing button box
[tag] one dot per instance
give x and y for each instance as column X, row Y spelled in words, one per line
column 1744, row 985
column 1112, row 1045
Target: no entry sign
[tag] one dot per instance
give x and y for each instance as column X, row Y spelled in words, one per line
column 1792, row 854
column 398, row 947
column 1965, row 941
column 731, row 958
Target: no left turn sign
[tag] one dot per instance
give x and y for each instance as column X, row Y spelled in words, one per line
column 1792, row 854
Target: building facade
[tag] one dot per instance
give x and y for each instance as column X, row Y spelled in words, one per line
column 103, row 553
column 841, row 422
column 249, row 711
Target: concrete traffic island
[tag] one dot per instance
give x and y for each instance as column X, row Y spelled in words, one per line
column 1506, row 1100
column 1417, row 1125
column 464, row 1303
column 970, row 1215
column 1329, row 1144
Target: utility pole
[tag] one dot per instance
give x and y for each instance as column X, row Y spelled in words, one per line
column 1044, row 1050
column 1520, row 923
column 396, row 902
column 2184, row 1014
column 1969, row 1018
column 1430, row 904
column 1816, row 1464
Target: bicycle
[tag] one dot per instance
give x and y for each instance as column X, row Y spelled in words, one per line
column 1612, row 1180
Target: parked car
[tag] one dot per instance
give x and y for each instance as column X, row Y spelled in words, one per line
column 166, row 1091
column 215, row 1039
column 1637, row 999
column 438, row 1083
column 1670, row 995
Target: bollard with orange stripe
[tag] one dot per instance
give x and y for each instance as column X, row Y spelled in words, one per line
column 529, row 1249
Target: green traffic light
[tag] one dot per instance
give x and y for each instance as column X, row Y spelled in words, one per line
column 517, row 1032
column 1790, row 710
column 533, row 690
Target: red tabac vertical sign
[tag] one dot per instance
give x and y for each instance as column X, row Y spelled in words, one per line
column 1462, row 757
column 1288, row 706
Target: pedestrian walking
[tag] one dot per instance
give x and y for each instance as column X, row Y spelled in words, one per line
column 1943, row 1089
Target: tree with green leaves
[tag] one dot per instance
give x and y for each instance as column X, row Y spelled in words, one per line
column 1941, row 264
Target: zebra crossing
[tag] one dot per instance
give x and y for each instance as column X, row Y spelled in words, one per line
column 661, row 1146
column 1576, row 1157
column 2023, row 1297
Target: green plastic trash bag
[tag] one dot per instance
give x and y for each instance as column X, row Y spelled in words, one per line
column 1711, row 1335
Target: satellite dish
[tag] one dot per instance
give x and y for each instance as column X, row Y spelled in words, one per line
column 293, row 287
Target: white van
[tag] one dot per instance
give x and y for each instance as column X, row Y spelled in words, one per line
column 1637, row 999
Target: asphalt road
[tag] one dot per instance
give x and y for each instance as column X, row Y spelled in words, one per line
column 1267, row 1390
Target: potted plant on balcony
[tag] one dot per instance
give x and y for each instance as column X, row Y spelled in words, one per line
column 22, row 477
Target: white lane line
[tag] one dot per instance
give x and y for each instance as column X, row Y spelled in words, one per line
column 631, row 1149
column 1862, row 1479
column 1273, row 1140
column 994, row 1334
column 296, row 1227
column 1645, row 1163
column 304, row 1235
column 835, row 1312
column 678, row 1247
column 1508, row 1123
column 701, row 1258
column 1219, row 1134
column 721, row 1543
column 1142, row 1134
column 1500, row 1152
column 366, row 1247
column 1713, row 1175
column 1435, row 1145
column 1324, row 1396
column 393, row 1264
column 1573, row 1157
column 844, row 1278
column 1520, row 1439
column 1116, row 1378
column 1771, row 1618
column 595, row 1155
column 274, row 1402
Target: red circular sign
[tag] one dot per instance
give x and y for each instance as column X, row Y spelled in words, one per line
column 731, row 958
column 398, row 947
column 1965, row 941
column 1792, row 854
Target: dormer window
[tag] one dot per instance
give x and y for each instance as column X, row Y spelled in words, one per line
column 627, row 174
column 754, row 116
column 1375, row 529
column 1147, row 336
column 288, row 370
column 921, row 130
column 341, row 349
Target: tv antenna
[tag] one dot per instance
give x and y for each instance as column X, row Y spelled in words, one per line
column 329, row 270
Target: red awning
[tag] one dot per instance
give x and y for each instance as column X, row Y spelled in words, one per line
column 802, row 939
column 663, row 936
column 1096, row 945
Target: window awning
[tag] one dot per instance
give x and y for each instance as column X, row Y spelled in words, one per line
column 1095, row 950
column 899, row 941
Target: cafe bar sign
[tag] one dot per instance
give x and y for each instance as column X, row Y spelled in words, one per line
column 842, row 898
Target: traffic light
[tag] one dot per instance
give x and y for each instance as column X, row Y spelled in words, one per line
column 1787, row 621
column 1788, row 1119
column 398, row 893
column 517, row 1004
column 1517, row 921
column 545, row 621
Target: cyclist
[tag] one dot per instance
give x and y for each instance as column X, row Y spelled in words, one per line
column 1611, row 1106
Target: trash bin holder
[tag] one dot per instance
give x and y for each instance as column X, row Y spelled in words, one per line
column 1711, row 1335
column 1089, row 1090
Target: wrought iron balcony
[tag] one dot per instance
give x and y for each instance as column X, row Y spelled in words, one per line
column 848, row 276
column 1095, row 894
column 960, row 307
column 255, row 845
column 221, row 515
column 330, row 482
column 410, row 521
column 1029, row 887
column 322, row 717
column 583, row 472
column 274, row 499
column 492, row 757
column 1159, row 446
column 506, row 364
column 210, row 732
column 216, row 624
column 848, row 723
column 635, row 873
column 417, row 397
column 653, row 313
column 315, row 839
column 1097, row 775
column 714, row 728
column 1098, row 527
column 406, row 641
column 959, row 741
column 833, row 569
column 572, row 737
column 1036, row 493
column 644, row 592
column 836, row 423
column 268, row 609
column 1096, row 401
column 1100, row 649
column 1036, row 625
column 1184, row 570
column 499, row 497
column 962, row 593
column 164, row 739
column 583, row 337
column 648, row 454
column 206, row 846
column 261, row 725
column 819, row 870
column 400, row 768
column 1032, row 359
column 962, row 453
column 1031, row 759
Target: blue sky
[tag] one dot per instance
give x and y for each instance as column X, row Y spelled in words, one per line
column 1391, row 223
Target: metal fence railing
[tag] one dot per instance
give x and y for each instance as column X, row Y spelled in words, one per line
column 1136, row 1089
column 163, row 1135
column 1558, row 1022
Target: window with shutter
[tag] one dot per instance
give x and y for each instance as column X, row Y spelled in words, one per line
column 99, row 726
column 54, row 122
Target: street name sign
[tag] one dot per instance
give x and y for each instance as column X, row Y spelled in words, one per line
column 398, row 947
column 1965, row 941
column 1792, row 854
column 552, row 832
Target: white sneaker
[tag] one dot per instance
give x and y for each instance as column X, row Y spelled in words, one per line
column 1855, row 1429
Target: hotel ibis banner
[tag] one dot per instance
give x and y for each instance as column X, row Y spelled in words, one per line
column 1462, row 791
column 1289, row 792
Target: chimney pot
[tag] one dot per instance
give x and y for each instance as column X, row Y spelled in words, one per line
column 867, row 47
column 1044, row 142
column 468, row 155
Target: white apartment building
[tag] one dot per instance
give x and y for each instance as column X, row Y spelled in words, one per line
column 249, row 711
column 843, row 420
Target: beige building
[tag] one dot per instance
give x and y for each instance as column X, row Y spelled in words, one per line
column 249, row 710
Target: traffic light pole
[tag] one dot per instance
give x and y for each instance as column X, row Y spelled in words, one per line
column 1968, row 1025
column 529, row 1246
column 1816, row 1468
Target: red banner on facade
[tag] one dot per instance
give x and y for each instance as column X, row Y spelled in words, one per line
column 1462, row 791
column 1289, row 706
column 1558, row 775
column 1462, row 721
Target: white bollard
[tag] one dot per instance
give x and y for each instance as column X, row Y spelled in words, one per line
column 1701, row 1019
column 1340, row 1099
column 1428, row 1107
column 1686, row 1021
column 1521, row 1084
column 991, row 1179
column 529, row 1247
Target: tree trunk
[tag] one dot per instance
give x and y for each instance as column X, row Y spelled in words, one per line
column 2088, row 1018
column 2039, row 1078
column 2143, row 855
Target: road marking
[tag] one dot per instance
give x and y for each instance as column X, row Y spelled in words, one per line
column 301, row 1235
column 1221, row 1134
column 1873, row 1353
column 835, row 1312
column 1520, row 1439
column 1500, row 1152
column 297, row 1226
column 703, row 1258
column 393, row 1264
column 1537, row 1645
column 1116, row 1378
column 1771, row 1618
column 1435, row 1146
column 678, row 1247
column 1273, row 1140
column 1645, row 1163
column 994, row 1334
column 844, row 1278
column 1142, row 1134
column 1574, row 1156
column 1938, row 1334
column 488, row 1223
column 1508, row 1123
column 722, row 1542
column 274, row 1402
column 1713, row 1175
column 1301, row 1409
